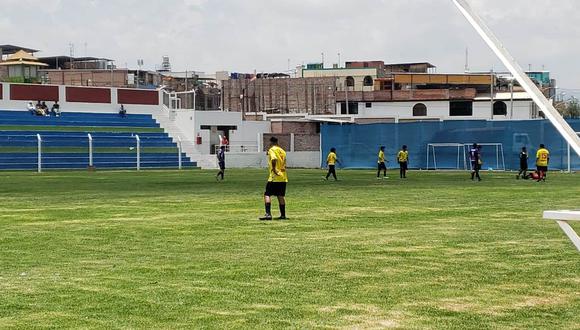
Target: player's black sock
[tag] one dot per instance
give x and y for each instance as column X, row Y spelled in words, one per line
column 268, row 208
column 282, row 211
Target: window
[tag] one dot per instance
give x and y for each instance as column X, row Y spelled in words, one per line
column 368, row 81
column 349, row 81
column 419, row 110
column 368, row 105
column 499, row 108
column 352, row 108
column 460, row 108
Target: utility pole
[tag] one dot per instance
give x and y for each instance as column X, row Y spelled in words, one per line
column 512, row 99
column 491, row 92
column 466, row 60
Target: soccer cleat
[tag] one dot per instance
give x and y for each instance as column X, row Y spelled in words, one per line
column 281, row 218
column 266, row 217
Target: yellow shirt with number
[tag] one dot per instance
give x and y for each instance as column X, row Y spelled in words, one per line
column 403, row 156
column 542, row 157
column 331, row 159
column 278, row 174
column 381, row 157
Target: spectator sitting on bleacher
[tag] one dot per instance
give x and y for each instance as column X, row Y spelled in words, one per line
column 39, row 109
column 122, row 111
column 55, row 110
column 31, row 108
column 45, row 109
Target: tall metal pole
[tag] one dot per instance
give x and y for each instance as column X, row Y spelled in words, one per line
column 512, row 99
column 138, row 152
column 491, row 93
column 39, row 140
column 179, row 148
column 90, row 150
column 510, row 63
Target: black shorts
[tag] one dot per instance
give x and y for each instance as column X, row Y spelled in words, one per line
column 475, row 166
column 523, row 167
column 382, row 166
column 404, row 165
column 275, row 189
column 542, row 168
column 222, row 165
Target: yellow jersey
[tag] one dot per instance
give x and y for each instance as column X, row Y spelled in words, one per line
column 403, row 156
column 542, row 157
column 279, row 173
column 331, row 159
column 381, row 157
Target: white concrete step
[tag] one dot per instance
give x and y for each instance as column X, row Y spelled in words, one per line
column 188, row 147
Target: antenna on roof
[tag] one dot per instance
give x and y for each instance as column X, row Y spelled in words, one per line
column 466, row 60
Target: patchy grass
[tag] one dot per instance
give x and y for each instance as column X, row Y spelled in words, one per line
column 169, row 249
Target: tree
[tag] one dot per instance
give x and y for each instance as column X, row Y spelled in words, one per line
column 571, row 110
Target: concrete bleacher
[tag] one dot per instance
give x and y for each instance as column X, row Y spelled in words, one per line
column 65, row 141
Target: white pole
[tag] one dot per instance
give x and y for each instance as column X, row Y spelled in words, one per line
column 512, row 99
column 491, row 93
column 39, row 140
column 427, row 167
column 138, row 152
column 90, row 150
column 179, row 150
column 510, row 63
column 570, row 155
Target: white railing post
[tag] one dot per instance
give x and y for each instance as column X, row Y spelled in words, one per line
column 138, row 152
column 90, row 150
column 179, row 152
column 569, row 159
column 39, row 140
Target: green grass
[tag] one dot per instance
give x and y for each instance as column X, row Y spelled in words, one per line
column 169, row 249
column 9, row 128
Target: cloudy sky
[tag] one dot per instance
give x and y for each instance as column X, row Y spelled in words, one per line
column 263, row 35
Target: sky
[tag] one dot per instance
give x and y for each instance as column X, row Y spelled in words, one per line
column 267, row 35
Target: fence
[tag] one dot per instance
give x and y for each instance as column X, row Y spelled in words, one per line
column 94, row 150
column 358, row 145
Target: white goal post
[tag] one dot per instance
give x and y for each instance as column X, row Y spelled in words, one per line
column 499, row 154
column 432, row 156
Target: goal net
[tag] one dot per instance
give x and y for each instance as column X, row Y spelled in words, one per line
column 492, row 156
column 454, row 156
column 446, row 156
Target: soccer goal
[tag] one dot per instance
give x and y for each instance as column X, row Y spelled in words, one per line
column 492, row 155
column 446, row 156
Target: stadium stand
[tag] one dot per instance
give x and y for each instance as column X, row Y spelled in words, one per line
column 65, row 141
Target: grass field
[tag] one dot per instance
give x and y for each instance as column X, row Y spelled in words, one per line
column 169, row 249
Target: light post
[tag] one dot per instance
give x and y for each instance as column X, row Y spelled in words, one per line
column 139, row 65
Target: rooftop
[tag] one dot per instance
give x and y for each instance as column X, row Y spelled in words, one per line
column 11, row 49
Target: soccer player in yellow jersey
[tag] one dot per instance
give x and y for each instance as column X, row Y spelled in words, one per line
column 542, row 161
column 331, row 161
column 403, row 159
column 277, row 180
column 382, row 165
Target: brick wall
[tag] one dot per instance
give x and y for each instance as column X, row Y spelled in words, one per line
column 306, row 142
column 281, row 95
column 408, row 95
column 286, row 127
column 302, row 142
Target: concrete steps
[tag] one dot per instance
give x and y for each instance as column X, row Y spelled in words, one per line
column 165, row 121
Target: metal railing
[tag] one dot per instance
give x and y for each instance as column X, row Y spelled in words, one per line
column 21, row 151
column 238, row 148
